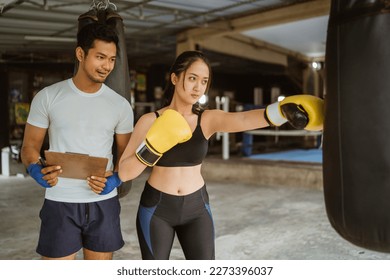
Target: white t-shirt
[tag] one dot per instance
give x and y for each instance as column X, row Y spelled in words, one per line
column 80, row 122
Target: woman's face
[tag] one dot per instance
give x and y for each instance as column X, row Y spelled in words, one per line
column 192, row 84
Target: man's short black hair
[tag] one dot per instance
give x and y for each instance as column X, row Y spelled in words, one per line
column 96, row 31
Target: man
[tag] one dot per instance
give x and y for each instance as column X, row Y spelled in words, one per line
column 81, row 115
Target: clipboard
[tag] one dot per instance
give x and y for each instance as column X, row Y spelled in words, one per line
column 77, row 166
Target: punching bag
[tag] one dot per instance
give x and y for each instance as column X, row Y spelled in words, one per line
column 356, row 147
column 119, row 78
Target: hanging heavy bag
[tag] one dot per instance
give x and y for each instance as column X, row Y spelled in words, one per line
column 119, row 78
column 356, row 153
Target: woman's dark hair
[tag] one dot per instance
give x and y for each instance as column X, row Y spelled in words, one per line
column 181, row 64
column 96, row 31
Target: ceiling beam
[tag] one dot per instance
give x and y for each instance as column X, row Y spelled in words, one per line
column 239, row 46
column 225, row 36
column 13, row 4
column 282, row 15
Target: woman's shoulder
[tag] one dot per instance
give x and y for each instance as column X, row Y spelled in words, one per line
column 212, row 113
column 148, row 116
column 210, row 120
column 144, row 122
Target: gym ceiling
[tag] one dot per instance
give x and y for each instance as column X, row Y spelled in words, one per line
column 266, row 31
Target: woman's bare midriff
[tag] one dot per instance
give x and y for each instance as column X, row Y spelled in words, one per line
column 176, row 180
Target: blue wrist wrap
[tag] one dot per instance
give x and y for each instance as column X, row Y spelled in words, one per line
column 34, row 170
column 113, row 182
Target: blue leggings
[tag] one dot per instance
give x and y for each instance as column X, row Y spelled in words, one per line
column 161, row 215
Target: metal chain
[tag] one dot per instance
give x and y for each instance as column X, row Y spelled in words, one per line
column 102, row 5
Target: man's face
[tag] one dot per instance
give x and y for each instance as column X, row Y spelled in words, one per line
column 99, row 61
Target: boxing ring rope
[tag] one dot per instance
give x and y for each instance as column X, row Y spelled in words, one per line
column 277, row 133
column 223, row 104
column 269, row 132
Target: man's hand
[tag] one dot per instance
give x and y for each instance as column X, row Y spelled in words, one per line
column 104, row 185
column 47, row 177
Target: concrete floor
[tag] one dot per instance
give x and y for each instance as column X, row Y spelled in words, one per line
column 252, row 220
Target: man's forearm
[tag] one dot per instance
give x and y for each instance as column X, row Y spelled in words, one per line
column 29, row 155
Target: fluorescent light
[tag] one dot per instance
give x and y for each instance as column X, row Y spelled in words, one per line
column 50, row 39
column 316, row 65
column 203, row 100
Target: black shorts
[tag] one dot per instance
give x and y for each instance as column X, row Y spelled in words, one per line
column 68, row 227
column 161, row 216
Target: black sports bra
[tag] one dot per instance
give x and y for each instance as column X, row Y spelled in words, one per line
column 189, row 153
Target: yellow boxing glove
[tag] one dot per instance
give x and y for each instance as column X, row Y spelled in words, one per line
column 301, row 111
column 167, row 131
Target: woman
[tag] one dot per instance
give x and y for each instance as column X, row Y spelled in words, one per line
column 174, row 140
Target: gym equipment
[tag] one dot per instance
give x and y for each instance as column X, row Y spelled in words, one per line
column 302, row 111
column 356, row 155
column 119, row 78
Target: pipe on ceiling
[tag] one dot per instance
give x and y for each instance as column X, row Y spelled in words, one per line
column 10, row 6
